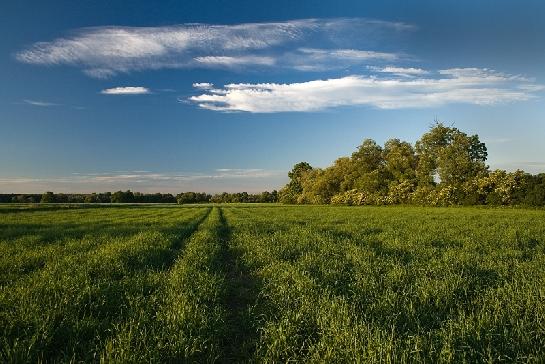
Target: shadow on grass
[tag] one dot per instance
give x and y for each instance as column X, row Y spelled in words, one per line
column 381, row 250
column 240, row 338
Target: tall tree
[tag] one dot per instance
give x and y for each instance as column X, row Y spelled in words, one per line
column 449, row 154
column 368, row 168
column 293, row 190
column 400, row 160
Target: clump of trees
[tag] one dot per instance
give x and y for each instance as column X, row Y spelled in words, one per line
column 192, row 197
column 245, row 197
column 444, row 167
column 225, row 197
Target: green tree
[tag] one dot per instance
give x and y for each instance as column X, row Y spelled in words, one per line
column 535, row 191
column 400, row 160
column 123, row 197
column 293, row 190
column 368, row 173
column 48, row 197
column 449, row 154
column 92, row 198
column 368, row 157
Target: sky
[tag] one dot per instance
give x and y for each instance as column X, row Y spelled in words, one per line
column 172, row 96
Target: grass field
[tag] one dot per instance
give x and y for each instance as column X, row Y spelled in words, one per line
column 266, row 283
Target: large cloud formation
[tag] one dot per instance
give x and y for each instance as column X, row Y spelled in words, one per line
column 105, row 51
column 457, row 85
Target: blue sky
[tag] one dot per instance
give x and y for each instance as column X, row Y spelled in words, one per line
column 217, row 96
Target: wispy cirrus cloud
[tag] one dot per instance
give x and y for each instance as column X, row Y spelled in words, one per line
column 497, row 140
column 228, row 61
column 460, row 85
column 320, row 59
column 400, row 71
column 146, row 176
column 534, row 167
column 39, row 103
column 127, row 90
column 106, row 51
column 348, row 54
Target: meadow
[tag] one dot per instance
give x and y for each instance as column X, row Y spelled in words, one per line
column 271, row 283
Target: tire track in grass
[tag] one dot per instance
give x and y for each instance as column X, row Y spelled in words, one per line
column 40, row 244
column 183, row 320
column 202, row 313
column 241, row 334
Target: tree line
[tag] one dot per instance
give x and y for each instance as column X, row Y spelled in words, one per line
column 444, row 167
column 137, row 197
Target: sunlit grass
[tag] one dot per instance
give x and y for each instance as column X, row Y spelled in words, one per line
column 272, row 284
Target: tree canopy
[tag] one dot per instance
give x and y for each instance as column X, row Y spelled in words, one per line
column 444, row 167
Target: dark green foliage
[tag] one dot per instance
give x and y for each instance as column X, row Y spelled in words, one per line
column 494, row 199
column 294, row 188
column 244, row 197
column 192, row 197
column 122, row 197
column 137, row 197
column 48, row 197
column 536, row 196
column 535, row 191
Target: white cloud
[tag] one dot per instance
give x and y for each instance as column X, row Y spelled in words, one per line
column 228, row 61
column 106, row 51
column 245, row 173
column 400, row 71
column 531, row 87
column 203, row 85
column 348, row 54
column 472, row 86
column 40, row 103
column 533, row 167
column 318, row 59
column 129, row 90
column 497, row 140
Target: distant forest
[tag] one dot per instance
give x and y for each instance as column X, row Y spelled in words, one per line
column 137, row 197
column 444, row 167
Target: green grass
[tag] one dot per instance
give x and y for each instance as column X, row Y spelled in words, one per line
column 269, row 283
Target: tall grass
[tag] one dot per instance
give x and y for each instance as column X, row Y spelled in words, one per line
column 396, row 284
column 66, row 287
column 272, row 284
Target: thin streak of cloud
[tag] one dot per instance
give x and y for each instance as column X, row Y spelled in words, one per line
column 348, row 54
column 533, row 167
column 127, row 90
column 318, row 59
column 400, row 71
column 497, row 140
column 228, row 61
column 40, row 103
